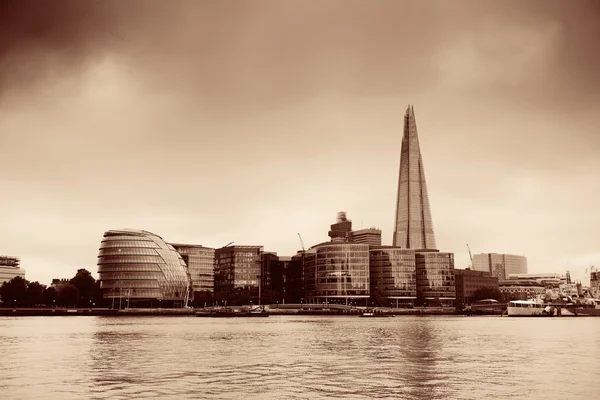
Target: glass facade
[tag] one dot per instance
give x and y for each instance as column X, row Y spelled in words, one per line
column 413, row 226
column 140, row 267
column 200, row 264
column 237, row 268
column 501, row 266
column 337, row 273
column 394, row 275
column 435, row 278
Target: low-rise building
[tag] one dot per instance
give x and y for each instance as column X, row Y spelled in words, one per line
column 468, row 281
column 513, row 289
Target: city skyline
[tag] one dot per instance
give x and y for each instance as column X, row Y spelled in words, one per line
column 212, row 123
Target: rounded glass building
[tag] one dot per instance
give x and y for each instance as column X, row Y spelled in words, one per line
column 337, row 272
column 139, row 269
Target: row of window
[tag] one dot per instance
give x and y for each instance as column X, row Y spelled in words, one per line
column 128, row 243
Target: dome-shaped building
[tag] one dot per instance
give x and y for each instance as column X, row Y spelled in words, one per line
column 139, row 269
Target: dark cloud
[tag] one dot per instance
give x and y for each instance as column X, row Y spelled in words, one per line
column 265, row 53
column 216, row 121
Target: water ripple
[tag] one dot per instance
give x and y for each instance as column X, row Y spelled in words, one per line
column 299, row 358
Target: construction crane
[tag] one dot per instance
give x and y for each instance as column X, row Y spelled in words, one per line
column 470, row 255
column 301, row 242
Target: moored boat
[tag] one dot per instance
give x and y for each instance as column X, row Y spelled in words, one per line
column 374, row 314
column 233, row 313
column 530, row 308
column 585, row 307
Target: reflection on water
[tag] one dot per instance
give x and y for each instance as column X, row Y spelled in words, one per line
column 299, row 358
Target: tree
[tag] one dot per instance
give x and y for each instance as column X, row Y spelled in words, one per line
column 50, row 296
column 15, row 289
column 484, row 293
column 202, row 297
column 97, row 295
column 68, row 295
column 35, row 292
column 84, row 282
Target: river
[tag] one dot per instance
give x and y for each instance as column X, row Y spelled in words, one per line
column 286, row 357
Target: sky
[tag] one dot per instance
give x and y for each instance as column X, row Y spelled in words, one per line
column 211, row 122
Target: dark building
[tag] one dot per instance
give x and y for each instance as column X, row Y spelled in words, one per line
column 238, row 270
column 285, row 279
column 468, row 281
column 435, row 278
column 269, row 271
column 393, row 276
column 340, row 231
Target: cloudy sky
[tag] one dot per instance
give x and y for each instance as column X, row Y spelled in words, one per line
column 211, row 122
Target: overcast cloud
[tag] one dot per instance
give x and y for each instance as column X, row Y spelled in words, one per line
column 210, row 122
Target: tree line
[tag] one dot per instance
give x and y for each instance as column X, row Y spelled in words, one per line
column 80, row 291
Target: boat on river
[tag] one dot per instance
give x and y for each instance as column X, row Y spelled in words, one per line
column 229, row 312
column 567, row 307
column 586, row 307
column 374, row 314
column 529, row 308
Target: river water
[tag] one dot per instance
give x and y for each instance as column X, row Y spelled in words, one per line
column 284, row 357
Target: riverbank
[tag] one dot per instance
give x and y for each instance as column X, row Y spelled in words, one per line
column 272, row 310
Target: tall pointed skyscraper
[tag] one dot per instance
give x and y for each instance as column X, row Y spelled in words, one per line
column 414, row 226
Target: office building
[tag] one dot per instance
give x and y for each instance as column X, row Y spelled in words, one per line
column 371, row 236
column 469, row 281
column 337, row 272
column 435, row 278
column 200, row 264
column 139, row 269
column 238, row 270
column 393, row 276
column 9, row 269
column 413, row 227
column 500, row 265
column 284, row 282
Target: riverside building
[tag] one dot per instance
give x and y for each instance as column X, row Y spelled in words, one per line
column 139, row 269
column 338, row 273
column 413, row 226
column 468, row 281
column 393, row 276
column 10, row 268
column 200, row 263
column 238, row 271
